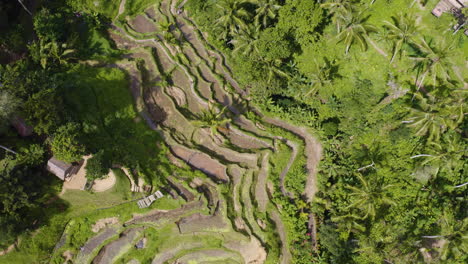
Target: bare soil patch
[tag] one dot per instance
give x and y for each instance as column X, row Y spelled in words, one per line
column 109, row 253
column 202, row 161
column 141, row 24
column 199, row 222
column 180, row 189
column 169, row 253
column 178, row 95
column 175, row 119
column 252, row 252
column 244, row 141
column 164, row 216
column 102, row 223
column 122, row 42
column 165, row 61
column 105, row 184
column 215, row 255
column 93, row 244
column 204, row 139
column 285, row 254
column 236, row 173
column 260, row 189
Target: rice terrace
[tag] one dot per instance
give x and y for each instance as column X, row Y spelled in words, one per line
column 233, row 131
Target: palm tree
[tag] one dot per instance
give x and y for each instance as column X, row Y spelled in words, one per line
column 432, row 116
column 164, row 26
column 44, row 52
column 266, row 10
column 233, row 16
column 350, row 223
column 354, row 29
column 246, row 40
column 444, row 157
column 435, row 62
column 369, row 197
column 322, row 76
column 338, row 8
column 455, row 236
column 401, row 31
column 272, row 68
column 212, row 118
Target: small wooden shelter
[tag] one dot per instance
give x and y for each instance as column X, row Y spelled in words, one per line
column 60, row 168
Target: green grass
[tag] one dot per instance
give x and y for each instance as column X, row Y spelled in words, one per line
column 100, row 45
column 134, row 7
column 81, row 201
column 108, row 8
column 100, row 99
column 38, row 244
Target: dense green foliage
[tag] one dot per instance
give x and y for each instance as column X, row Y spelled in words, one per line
column 64, row 143
column 23, row 187
column 74, row 110
column 97, row 166
column 384, row 91
column 382, row 84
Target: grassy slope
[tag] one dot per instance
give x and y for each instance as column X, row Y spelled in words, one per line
column 101, row 100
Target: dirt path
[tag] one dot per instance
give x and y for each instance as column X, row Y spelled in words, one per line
column 285, row 254
column 105, row 184
column 313, row 152
column 121, row 8
column 78, row 181
column 260, row 189
column 285, row 171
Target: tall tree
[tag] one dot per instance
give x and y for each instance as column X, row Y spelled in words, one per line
column 369, row 197
column 454, row 238
column 47, row 53
column 65, row 144
column 273, row 70
column 212, row 118
column 338, row 8
column 401, row 31
column 8, row 105
column 435, row 61
column 354, row 29
column 233, row 16
column 431, row 116
column 322, row 76
column 246, row 41
column 445, row 158
column 266, row 11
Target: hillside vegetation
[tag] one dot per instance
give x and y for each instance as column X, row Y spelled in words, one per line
column 279, row 131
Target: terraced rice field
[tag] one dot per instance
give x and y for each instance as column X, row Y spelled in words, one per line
column 219, row 223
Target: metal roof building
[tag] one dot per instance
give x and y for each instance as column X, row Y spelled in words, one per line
column 59, row 168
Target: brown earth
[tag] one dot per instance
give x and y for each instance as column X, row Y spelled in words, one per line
column 202, row 162
column 141, row 24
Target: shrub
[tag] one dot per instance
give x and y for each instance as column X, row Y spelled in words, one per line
column 98, row 166
column 65, row 144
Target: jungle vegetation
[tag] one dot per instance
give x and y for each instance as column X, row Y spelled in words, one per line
column 382, row 83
